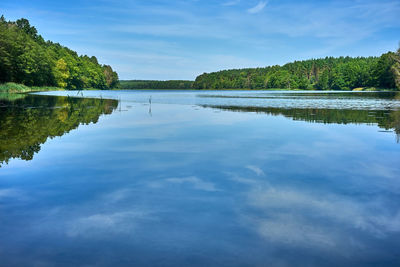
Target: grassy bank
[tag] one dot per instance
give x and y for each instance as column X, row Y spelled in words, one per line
column 20, row 88
column 372, row 89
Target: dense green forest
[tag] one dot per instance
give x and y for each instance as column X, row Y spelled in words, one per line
column 151, row 84
column 343, row 73
column 26, row 58
column 24, row 126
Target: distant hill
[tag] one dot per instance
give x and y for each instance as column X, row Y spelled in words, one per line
column 152, row 84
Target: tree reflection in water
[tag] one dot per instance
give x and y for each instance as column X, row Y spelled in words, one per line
column 385, row 119
column 28, row 121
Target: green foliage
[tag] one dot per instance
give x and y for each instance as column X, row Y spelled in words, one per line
column 20, row 88
column 396, row 68
column 11, row 97
column 26, row 58
column 61, row 73
column 383, row 74
column 343, row 73
column 146, row 84
column 28, row 121
column 14, row 88
column 111, row 77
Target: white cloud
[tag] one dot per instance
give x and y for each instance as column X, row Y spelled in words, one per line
column 183, row 29
column 117, row 195
column 195, row 182
column 289, row 230
column 11, row 193
column 256, row 170
column 7, row 193
column 258, row 8
column 310, row 219
column 104, row 223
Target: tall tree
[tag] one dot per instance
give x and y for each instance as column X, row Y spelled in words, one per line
column 396, row 68
column 110, row 76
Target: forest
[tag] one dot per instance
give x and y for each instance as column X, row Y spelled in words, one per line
column 26, row 58
column 152, row 84
column 343, row 73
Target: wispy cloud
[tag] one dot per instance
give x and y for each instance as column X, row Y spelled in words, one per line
column 105, row 223
column 195, row 182
column 231, row 3
column 8, row 193
column 293, row 221
column 192, row 181
column 256, row 170
column 258, row 8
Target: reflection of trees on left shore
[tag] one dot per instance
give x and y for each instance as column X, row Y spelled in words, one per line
column 27, row 122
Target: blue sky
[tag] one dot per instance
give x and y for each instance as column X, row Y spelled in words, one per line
column 177, row 39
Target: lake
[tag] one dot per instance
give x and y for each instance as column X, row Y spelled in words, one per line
column 200, row 178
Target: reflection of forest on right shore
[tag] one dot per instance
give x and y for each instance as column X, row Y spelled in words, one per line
column 26, row 121
column 385, row 119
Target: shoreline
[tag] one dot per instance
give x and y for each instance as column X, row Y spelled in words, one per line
column 14, row 88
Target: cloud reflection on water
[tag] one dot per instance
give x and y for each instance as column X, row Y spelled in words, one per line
column 301, row 218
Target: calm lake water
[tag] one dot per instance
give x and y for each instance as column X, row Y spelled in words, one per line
column 210, row 178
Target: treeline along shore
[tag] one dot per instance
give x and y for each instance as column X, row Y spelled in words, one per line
column 342, row 73
column 26, row 59
column 154, row 84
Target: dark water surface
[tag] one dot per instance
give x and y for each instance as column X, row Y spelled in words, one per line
column 169, row 178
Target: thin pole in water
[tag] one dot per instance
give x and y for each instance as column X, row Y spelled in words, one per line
column 150, row 107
